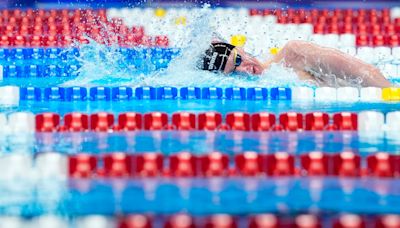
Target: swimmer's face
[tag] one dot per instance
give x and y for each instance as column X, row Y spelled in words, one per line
column 249, row 65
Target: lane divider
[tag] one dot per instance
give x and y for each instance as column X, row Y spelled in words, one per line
column 181, row 121
column 366, row 122
column 260, row 220
column 61, row 166
column 9, row 94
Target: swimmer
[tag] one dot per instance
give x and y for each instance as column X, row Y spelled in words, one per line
column 318, row 65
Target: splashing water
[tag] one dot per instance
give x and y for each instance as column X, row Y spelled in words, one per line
column 106, row 65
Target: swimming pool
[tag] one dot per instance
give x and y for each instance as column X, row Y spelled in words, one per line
column 105, row 123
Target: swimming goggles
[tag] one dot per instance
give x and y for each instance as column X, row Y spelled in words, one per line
column 237, row 59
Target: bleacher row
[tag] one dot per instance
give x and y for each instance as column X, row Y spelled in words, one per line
column 62, row 28
column 182, row 220
column 148, row 27
column 11, row 95
column 369, row 122
column 266, row 28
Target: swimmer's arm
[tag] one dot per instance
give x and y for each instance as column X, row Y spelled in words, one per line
column 305, row 56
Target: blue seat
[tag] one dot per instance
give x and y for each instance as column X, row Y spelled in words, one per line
column 279, row 93
column 257, row 93
column 32, row 71
column 51, row 71
column 37, row 53
column 145, row 92
column 122, row 93
column 4, row 54
column 75, row 94
column 167, row 93
column 54, row 94
column 52, row 53
column 30, row 93
column 17, row 54
column 235, row 93
column 211, row 93
column 190, row 93
column 13, row 71
column 100, row 93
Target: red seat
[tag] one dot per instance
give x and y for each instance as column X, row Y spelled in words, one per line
column 264, row 220
column 214, row 164
column 381, row 164
column 117, row 165
column 291, row 121
column 47, row 122
column 101, row 121
column 136, row 221
column 316, row 121
column 76, row 122
column 130, row 121
column 183, row 164
column 307, row 221
column 345, row 121
column 155, row 121
column 148, row 164
column 387, row 221
column 262, row 121
column 82, row 165
column 347, row 164
column 184, row 121
column 209, row 121
column 221, row 221
column 238, row 121
column 180, row 221
column 314, row 164
column 349, row 221
column 279, row 164
column 161, row 41
column 249, row 163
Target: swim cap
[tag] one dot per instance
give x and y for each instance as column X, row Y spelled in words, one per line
column 216, row 56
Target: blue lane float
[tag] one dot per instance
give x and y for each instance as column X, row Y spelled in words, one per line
column 121, row 93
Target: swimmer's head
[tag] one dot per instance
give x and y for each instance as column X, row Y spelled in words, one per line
column 226, row 58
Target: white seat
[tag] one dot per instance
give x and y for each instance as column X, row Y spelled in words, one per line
column 370, row 124
column 395, row 12
column 331, row 40
column 15, row 166
column 51, row 165
column 325, row 94
column 382, row 54
column 396, row 54
column 348, row 94
column 9, row 96
column 11, row 222
column 21, row 122
column 389, row 70
column 393, row 124
column 366, row 54
column 98, row 221
column 49, row 221
column 371, row 94
column 302, row 94
column 347, row 40
column 306, row 28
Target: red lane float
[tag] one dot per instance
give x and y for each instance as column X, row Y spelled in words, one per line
column 216, row 164
column 186, row 121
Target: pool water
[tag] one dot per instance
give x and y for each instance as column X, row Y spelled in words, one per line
column 112, row 131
